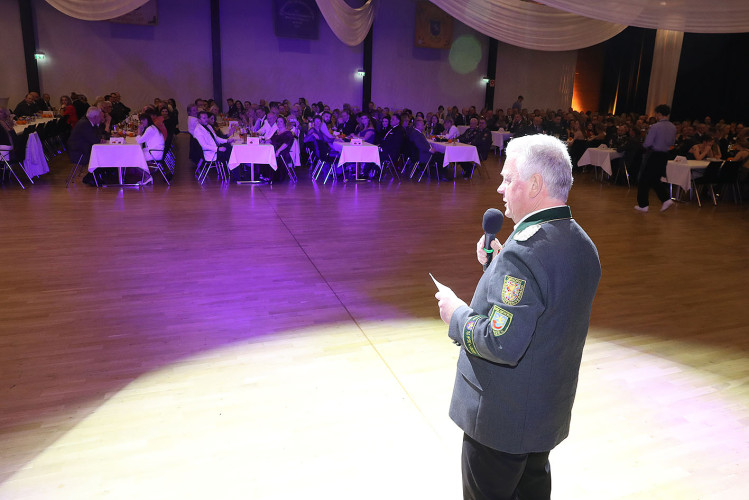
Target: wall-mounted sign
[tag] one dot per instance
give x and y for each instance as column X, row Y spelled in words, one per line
column 296, row 19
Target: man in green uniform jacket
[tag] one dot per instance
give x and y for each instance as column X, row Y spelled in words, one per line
column 523, row 334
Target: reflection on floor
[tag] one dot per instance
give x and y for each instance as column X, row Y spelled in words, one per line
column 282, row 341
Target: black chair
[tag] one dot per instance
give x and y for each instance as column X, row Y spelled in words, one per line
column 164, row 163
column 15, row 157
column 710, row 178
column 729, row 178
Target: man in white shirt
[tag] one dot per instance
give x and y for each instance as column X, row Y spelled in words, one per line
column 192, row 118
column 268, row 128
column 213, row 145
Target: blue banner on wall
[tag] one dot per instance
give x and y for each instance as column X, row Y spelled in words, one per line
column 296, row 19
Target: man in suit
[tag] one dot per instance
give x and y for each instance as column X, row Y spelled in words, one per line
column 523, row 334
column 119, row 110
column 392, row 143
column 85, row 134
column 477, row 134
column 212, row 144
column 347, row 123
column 27, row 107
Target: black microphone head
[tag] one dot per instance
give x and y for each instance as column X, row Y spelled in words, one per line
column 492, row 222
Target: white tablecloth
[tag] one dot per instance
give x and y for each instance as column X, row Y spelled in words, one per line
column 499, row 139
column 456, row 152
column 35, row 163
column 600, row 157
column 357, row 153
column 251, row 154
column 117, row 156
column 20, row 128
column 681, row 173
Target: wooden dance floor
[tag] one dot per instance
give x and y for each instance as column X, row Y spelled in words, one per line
column 283, row 342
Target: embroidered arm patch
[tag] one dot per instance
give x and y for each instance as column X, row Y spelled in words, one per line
column 512, row 290
column 468, row 328
column 500, row 320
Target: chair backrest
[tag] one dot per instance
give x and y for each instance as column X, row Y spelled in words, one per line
column 729, row 172
column 196, row 151
column 168, row 143
column 712, row 172
column 19, row 147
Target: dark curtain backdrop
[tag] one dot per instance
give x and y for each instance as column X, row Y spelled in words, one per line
column 713, row 78
column 628, row 58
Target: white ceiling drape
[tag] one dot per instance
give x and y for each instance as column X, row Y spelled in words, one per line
column 96, row 10
column 530, row 25
column 694, row 16
column 349, row 25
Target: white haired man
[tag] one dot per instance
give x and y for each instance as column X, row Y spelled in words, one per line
column 85, row 134
column 522, row 336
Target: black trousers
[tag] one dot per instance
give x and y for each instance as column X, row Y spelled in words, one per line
column 489, row 474
column 653, row 168
column 223, row 156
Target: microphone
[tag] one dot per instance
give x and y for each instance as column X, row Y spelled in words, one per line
column 492, row 223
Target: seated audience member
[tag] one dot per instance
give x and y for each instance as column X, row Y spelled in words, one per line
column 7, row 134
column 421, row 150
column 596, row 135
column 192, row 118
column 150, row 138
column 217, row 130
column 269, row 127
column 483, row 140
column 477, row 135
column 316, row 139
column 119, row 110
column 626, row 142
column 365, row 130
column 741, row 152
column 705, row 149
column 45, row 103
column 327, row 124
column 556, row 129
column 293, row 126
column 170, row 122
column 85, row 134
column 236, row 110
column 282, row 141
column 212, row 144
column 536, row 127
column 107, row 123
column 467, row 136
column 27, row 107
column 259, row 119
column 347, row 123
column 451, row 132
column 702, row 132
column 382, row 130
column 67, row 111
column 80, row 103
column 435, row 128
column 685, row 139
column 457, row 118
column 393, row 140
column 158, row 121
column 517, row 125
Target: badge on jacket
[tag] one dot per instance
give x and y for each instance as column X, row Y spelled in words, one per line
column 512, row 290
column 500, row 320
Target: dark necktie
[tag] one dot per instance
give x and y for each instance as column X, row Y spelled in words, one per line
column 208, row 128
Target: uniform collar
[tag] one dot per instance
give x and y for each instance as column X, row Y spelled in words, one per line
column 541, row 216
